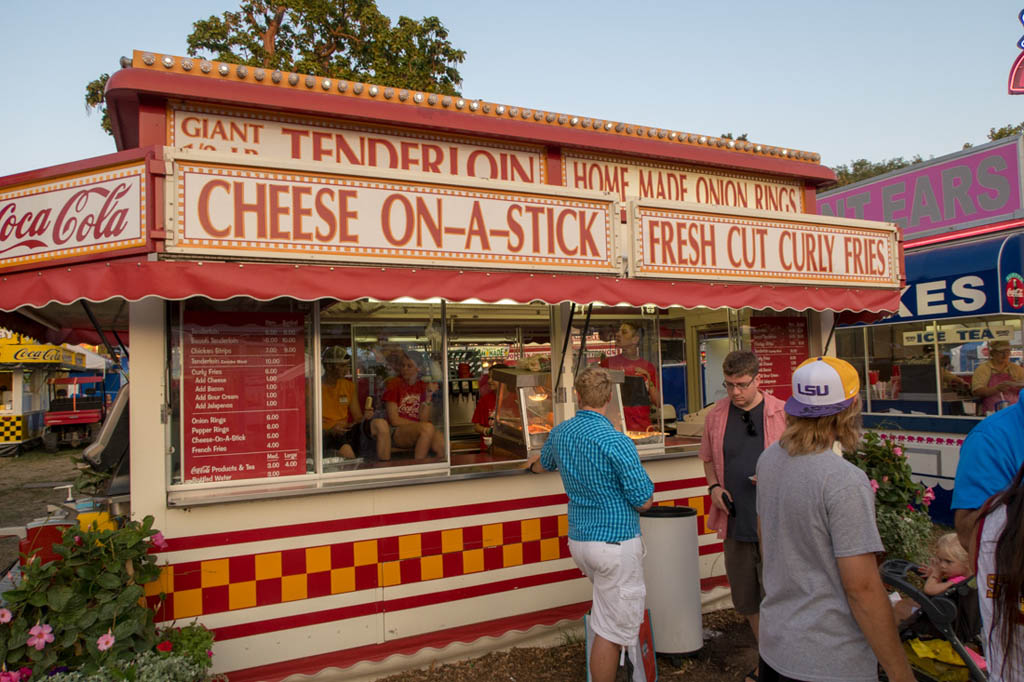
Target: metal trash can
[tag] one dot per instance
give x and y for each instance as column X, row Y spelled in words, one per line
column 672, row 576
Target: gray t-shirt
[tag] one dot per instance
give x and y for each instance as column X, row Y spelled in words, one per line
column 813, row 509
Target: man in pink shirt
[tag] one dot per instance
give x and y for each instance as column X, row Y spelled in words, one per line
column 737, row 429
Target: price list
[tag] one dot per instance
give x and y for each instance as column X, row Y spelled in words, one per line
column 780, row 344
column 244, row 391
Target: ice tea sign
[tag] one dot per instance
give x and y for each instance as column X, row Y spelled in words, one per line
column 250, row 211
column 73, row 216
column 957, row 335
column 701, row 244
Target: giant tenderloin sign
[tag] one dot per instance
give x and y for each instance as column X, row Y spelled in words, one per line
column 376, row 219
column 701, row 243
column 73, row 216
column 350, row 147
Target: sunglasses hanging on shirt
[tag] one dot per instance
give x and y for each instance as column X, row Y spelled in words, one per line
column 751, row 429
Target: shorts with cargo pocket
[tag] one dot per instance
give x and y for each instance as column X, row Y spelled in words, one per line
column 617, row 572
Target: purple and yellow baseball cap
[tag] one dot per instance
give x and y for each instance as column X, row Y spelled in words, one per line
column 822, row 386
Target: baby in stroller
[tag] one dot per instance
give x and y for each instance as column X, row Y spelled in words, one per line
column 940, row 623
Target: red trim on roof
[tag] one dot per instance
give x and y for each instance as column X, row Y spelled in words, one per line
column 127, row 87
column 134, row 279
column 92, row 164
column 978, row 231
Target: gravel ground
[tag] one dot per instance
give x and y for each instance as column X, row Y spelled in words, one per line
column 729, row 651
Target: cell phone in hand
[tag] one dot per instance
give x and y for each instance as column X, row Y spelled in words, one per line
column 729, row 504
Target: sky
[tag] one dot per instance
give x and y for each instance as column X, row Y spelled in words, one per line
column 873, row 79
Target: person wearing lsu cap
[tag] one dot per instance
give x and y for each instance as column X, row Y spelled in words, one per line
column 997, row 379
column 825, row 615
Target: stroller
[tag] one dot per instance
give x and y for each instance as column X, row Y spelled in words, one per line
column 939, row 618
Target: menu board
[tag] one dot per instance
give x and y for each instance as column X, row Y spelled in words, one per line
column 780, row 344
column 244, row 390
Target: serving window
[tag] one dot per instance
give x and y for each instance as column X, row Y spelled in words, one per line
column 313, row 394
column 925, row 368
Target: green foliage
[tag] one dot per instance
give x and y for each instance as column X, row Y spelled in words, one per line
column 905, row 534
column 344, row 39
column 862, row 169
column 900, row 504
column 95, row 100
column 1006, row 131
column 92, row 589
column 147, row 666
column 193, row 642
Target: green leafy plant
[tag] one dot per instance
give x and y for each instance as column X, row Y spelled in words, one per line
column 901, row 504
column 192, row 641
column 148, row 666
column 84, row 610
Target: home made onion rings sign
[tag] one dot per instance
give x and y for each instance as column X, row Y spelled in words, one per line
column 262, row 213
column 699, row 245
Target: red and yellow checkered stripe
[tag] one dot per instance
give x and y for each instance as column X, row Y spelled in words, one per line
column 189, row 589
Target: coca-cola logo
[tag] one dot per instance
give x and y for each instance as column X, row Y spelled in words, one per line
column 45, row 355
column 91, row 215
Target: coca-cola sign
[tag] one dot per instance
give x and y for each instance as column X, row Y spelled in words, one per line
column 73, row 216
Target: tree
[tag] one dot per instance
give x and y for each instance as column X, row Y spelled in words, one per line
column 1006, row 131
column 344, row 39
column 862, row 169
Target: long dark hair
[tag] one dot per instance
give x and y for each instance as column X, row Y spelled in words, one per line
column 1009, row 569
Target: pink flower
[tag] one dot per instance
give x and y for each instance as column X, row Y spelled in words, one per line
column 910, row 507
column 12, row 676
column 209, row 653
column 105, row 641
column 928, row 497
column 78, row 541
column 874, row 485
column 26, row 673
column 5, row 616
column 898, row 451
column 158, row 540
column 40, row 636
column 885, row 479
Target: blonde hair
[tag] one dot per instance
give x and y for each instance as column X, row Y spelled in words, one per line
column 950, row 545
column 807, row 435
column 594, row 386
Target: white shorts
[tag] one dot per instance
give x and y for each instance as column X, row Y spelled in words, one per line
column 617, row 572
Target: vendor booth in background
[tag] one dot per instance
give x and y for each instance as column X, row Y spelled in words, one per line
column 308, row 266
column 25, row 367
column 963, row 228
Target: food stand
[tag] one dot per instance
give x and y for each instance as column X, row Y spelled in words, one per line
column 285, row 244
column 24, row 369
column 963, row 222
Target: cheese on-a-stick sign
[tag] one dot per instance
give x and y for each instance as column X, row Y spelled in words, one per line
column 243, row 210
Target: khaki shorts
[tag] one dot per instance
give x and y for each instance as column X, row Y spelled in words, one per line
column 743, row 567
column 617, row 572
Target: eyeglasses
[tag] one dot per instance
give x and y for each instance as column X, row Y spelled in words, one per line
column 728, row 385
column 751, row 430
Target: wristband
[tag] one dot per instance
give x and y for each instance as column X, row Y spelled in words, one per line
column 713, row 486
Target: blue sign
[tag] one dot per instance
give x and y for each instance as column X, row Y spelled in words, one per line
column 964, row 280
